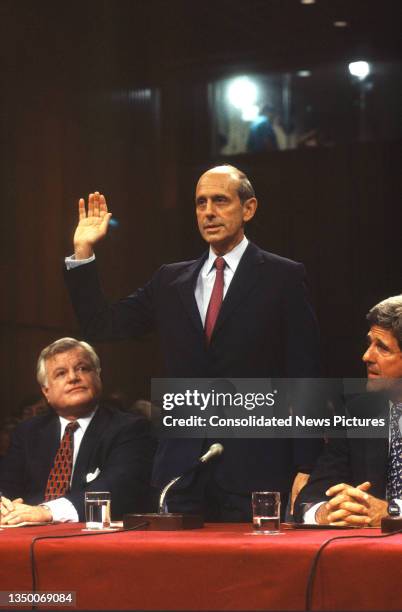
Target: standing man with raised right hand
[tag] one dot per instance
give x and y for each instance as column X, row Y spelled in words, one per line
column 236, row 312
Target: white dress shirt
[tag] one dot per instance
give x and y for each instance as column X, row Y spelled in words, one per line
column 206, row 277
column 62, row 509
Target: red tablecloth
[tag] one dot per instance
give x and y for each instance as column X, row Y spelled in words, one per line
column 220, row 567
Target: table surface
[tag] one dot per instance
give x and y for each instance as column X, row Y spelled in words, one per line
column 219, row 567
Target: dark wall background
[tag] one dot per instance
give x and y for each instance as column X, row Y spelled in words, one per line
column 71, row 124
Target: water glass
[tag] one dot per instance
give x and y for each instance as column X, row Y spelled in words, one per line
column 266, row 512
column 97, row 509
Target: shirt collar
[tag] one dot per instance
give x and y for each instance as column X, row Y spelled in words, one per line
column 83, row 422
column 232, row 258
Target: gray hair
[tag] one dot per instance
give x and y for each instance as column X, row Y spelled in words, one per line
column 388, row 314
column 245, row 190
column 62, row 346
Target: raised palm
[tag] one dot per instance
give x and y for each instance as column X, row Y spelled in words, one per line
column 92, row 225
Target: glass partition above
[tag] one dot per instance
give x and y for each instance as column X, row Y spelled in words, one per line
column 322, row 106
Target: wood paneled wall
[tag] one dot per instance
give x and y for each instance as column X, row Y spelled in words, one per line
column 337, row 210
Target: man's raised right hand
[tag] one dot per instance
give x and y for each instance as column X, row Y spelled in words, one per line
column 92, row 225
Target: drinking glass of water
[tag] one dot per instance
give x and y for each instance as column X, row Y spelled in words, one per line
column 266, row 512
column 97, row 509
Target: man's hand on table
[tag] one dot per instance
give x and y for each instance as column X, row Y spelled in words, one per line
column 15, row 511
column 7, row 505
column 352, row 506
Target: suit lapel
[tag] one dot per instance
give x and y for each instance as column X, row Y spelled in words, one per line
column 246, row 276
column 378, row 458
column 186, row 287
column 373, row 452
column 48, row 443
column 91, row 438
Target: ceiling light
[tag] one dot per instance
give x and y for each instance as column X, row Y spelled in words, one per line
column 303, row 73
column 307, row 1
column 242, row 92
column 359, row 69
column 341, row 24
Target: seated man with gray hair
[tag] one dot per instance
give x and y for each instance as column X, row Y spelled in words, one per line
column 337, row 492
column 80, row 445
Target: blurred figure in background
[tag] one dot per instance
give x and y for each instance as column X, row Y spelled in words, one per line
column 262, row 135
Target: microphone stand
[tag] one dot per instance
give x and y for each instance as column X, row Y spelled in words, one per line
column 170, row 484
column 164, row 521
column 171, row 521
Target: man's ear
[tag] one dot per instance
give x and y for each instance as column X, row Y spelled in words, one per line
column 45, row 391
column 249, row 208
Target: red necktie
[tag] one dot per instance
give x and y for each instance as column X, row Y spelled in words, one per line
column 216, row 300
column 58, row 482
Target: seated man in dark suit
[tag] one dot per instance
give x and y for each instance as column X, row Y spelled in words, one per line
column 81, row 445
column 350, row 467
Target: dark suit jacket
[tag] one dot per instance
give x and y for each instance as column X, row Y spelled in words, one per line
column 266, row 328
column 351, row 460
column 118, row 444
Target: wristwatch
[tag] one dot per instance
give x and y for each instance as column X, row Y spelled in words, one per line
column 393, row 508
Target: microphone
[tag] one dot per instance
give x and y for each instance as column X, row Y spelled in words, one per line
column 214, row 451
column 167, row 521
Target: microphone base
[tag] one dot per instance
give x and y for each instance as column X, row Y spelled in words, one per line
column 390, row 524
column 168, row 521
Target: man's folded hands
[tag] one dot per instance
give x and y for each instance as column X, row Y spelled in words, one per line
column 351, row 506
column 15, row 511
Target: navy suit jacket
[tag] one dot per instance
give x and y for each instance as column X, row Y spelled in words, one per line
column 351, row 460
column 117, row 444
column 265, row 328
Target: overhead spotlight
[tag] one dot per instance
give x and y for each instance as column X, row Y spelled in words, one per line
column 307, row 1
column 303, row 73
column 341, row 24
column 359, row 69
column 242, row 93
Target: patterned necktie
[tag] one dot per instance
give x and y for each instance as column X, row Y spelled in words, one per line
column 394, row 475
column 58, row 482
column 216, row 300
